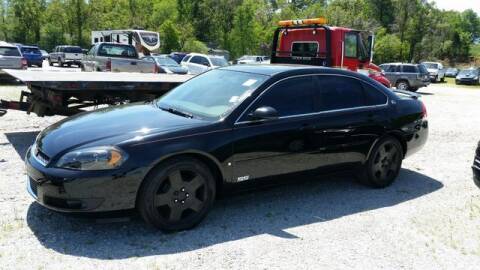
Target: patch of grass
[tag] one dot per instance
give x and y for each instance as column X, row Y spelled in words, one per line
column 475, row 50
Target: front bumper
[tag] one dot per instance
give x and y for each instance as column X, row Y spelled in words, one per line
column 466, row 81
column 76, row 191
column 476, row 171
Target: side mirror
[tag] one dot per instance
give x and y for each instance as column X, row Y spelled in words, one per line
column 264, row 113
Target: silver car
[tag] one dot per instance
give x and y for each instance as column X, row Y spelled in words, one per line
column 10, row 58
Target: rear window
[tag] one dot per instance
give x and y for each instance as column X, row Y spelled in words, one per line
column 115, row 50
column 9, row 51
column 423, row 69
column 30, row 50
column 72, row 50
column 305, row 49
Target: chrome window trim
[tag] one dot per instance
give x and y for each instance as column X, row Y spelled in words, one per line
column 314, row 113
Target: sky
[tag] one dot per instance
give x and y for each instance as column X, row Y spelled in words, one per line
column 459, row 5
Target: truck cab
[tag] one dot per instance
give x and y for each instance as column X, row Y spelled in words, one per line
column 312, row 42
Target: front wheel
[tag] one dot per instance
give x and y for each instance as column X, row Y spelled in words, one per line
column 384, row 164
column 177, row 195
column 402, row 85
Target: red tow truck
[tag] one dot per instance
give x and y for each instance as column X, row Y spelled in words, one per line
column 313, row 42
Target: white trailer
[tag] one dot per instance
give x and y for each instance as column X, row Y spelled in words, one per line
column 144, row 41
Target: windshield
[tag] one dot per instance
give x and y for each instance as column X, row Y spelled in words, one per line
column 166, row 61
column 73, row 50
column 471, row 72
column 431, row 65
column 219, row 61
column 213, row 94
column 9, row 51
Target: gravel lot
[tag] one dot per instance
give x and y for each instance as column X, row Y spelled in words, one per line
column 429, row 219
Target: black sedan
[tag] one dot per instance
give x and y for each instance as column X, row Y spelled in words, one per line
column 476, row 167
column 468, row 76
column 169, row 157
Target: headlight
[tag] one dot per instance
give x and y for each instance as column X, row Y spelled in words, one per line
column 475, row 78
column 93, row 159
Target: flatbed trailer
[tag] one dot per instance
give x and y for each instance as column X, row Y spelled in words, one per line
column 68, row 93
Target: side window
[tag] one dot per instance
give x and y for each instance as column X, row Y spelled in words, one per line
column 373, row 96
column 340, row 93
column 409, row 69
column 92, row 50
column 351, row 45
column 197, row 60
column 396, row 69
column 305, row 49
column 290, row 97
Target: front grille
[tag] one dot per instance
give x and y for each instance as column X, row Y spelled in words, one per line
column 33, row 186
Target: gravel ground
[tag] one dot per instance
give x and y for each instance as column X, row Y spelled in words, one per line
column 429, row 219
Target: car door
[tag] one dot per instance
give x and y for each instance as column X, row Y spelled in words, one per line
column 265, row 148
column 352, row 116
column 196, row 64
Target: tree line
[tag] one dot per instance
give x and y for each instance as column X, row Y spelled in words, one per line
column 406, row 30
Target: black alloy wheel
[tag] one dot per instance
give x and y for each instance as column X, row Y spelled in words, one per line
column 384, row 164
column 177, row 195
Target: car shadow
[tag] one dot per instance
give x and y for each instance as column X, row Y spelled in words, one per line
column 271, row 211
column 21, row 141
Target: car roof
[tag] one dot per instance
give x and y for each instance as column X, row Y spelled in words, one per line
column 286, row 69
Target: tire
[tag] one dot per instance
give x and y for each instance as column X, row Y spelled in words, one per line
column 177, row 194
column 402, row 85
column 60, row 63
column 442, row 79
column 384, row 164
column 50, row 62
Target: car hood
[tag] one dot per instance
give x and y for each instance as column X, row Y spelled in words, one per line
column 432, row 70
column 111, row 126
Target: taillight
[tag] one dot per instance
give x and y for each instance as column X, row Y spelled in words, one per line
column 108, row 65
column 24, row 63
column 424, row 110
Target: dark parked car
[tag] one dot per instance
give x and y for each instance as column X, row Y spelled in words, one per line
column 476, row 166
column 169, row 157
column 32, row 54
column 451, row 72
column 166, row 64
column 406, row 76
column 468, row 76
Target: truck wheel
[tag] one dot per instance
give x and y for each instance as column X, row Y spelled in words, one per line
column 384, row 164
column 60, row 63
column 177, row 194
column 402, row 85
column 442, row 79
column 50, row 63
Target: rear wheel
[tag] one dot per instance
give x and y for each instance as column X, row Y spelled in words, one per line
column 402, row 85
column 177, row 195
column 384, row 164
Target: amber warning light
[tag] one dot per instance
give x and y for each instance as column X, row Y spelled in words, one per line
column 302, row 22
